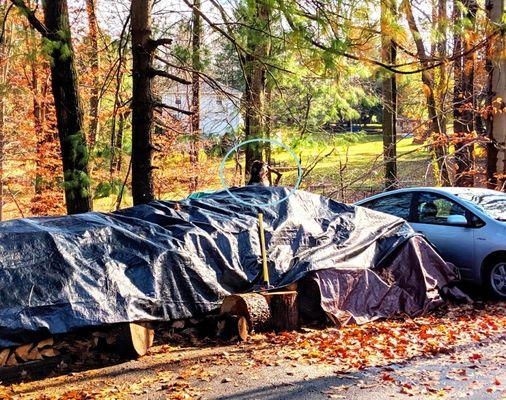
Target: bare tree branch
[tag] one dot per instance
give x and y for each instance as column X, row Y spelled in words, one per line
column 34, row 21
column 165, row 74
column 154, row 43
column 163, row 105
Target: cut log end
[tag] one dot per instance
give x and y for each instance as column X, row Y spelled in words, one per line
column 135, row 339
column 252, row 306
column 243, row 328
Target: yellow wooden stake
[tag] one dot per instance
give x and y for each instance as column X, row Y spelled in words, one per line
column 263, row 250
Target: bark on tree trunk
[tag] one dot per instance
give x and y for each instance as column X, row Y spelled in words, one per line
column 464, row 158
column 496, row 122
column 195, row 102
column 388, row 55
column 4, row 68
column 254, row 96
column 436, row 119
column 457, row 73
column 284, row 310
column 142, row 101
column 39, row 129
column 268, row 122
column 94, row 60
column 113, row 160
column 441, row 150
column 2, row 148
column 252, row 306
column 69, row 111
column 119, row 141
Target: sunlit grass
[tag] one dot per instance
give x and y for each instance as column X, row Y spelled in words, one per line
column 363, row 166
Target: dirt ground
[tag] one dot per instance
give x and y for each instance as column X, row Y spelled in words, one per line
column 458, row 352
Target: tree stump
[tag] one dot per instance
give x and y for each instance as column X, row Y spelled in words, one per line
column 284, row 310
column 134, row 339
column 252, row 306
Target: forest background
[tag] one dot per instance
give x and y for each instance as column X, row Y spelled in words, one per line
column 371, row 95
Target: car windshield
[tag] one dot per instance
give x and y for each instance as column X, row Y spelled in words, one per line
column 493, row 204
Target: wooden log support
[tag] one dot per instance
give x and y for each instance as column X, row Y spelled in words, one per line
column 252, row 306
column 262, row 311
column 134, row 339
column 284, row 310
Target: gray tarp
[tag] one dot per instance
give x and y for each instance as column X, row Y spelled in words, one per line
column 169, row 260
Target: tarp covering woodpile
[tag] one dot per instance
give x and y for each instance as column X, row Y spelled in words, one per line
column 173, row 260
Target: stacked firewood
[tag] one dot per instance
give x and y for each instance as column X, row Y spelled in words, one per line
column 28, row 352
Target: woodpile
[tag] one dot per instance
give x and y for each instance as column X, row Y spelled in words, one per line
column 27, row 352
column 239, row 316
column 132, row 340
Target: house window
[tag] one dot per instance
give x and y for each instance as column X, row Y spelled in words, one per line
column 219, row 101
column 178, row 100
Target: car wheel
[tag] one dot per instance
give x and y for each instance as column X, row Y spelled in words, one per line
column 496, row 278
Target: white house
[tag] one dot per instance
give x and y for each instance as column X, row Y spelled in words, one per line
column 219, row 108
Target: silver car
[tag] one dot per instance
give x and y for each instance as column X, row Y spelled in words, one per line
column 466, row 225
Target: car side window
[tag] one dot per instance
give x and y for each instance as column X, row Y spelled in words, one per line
column 435, row 209
column 396, row 204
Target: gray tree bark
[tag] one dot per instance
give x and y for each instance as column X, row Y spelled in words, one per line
column 69, row 110
column 94, row 59
column 254, row 97
column 142, row 101
column 389, row 89
column 496, row 123
column 195, row 101
column 4, row 69
column 464, row 99
column 436, row 117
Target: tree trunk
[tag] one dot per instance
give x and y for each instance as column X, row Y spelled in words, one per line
column 268, row 122
column 389, row 88
column 69, row 112
column 441, row 150
column 94, row 61
column 496, row 122
column 195, row 102
column 39, row 129
column 436, row 120
column 4, row 67
column 2, row 151
column 463, row 129
column 457, row 74
column 259, row 46
column 119, row 141
column 142, row 102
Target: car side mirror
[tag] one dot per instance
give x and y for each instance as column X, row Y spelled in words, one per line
column 458, row 220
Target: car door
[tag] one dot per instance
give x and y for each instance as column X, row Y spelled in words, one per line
column 455, row 243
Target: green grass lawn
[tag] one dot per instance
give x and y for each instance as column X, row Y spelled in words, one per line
column 356, row 162
column 361, row 173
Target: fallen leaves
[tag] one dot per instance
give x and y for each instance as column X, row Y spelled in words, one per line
column 383, row 342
